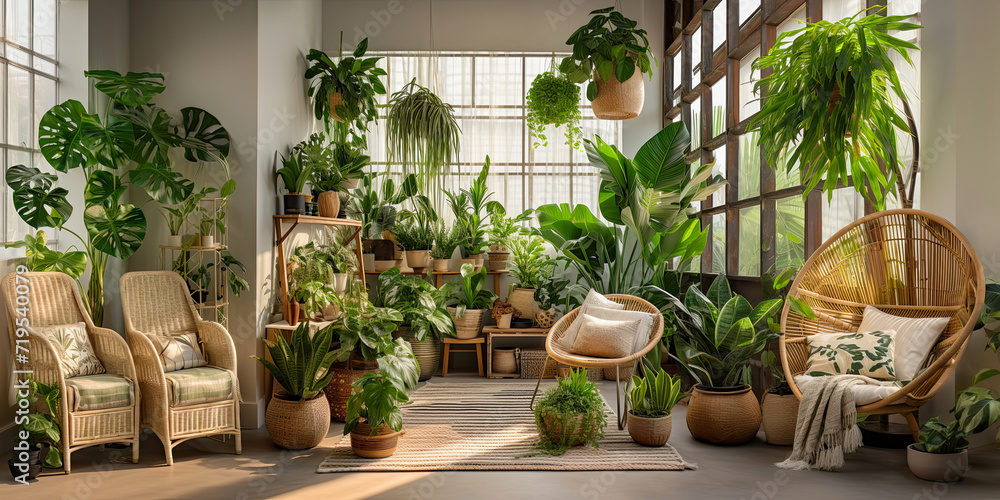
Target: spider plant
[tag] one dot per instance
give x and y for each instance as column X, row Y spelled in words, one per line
column 422, row 135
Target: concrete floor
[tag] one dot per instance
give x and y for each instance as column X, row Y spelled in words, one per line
column 205, row 469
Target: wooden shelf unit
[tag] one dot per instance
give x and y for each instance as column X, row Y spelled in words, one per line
column 493, row 331
column 439, row 276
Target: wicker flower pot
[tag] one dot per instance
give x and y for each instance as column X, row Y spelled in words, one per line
column 336, row 99
column 382, row 444
column 616, row 100
column 297, row 425
column 339, row 388
column 505, row 359
column 470, row 325
column 545, row 318
column 427, row 351
column 498, row 260
column 723, row 415
column 649, row 431
column 779, row 414
column 551, row 427
column 329, row 204
column 523, row 299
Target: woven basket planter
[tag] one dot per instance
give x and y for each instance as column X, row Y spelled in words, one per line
column 625, row 372
column 336, row 99
column 545, row 318
column 470, row 325
column 297, row 425
column 779, row 415
column 329, row 204
column 505, row 359
column 648, row 431
column 725, row 416
column 382, row 444
column 339, row 388
column 523, row 299
column 427, row 351
column 533, row 362
column 616, row 100
column 498, row 260
column 552, row 427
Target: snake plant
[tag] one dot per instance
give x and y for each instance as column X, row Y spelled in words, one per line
column 301, row 364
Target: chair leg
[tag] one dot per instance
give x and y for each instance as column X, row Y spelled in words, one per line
column 444, row 365
column 911, row 419
column 539, row 384
column 66, row 460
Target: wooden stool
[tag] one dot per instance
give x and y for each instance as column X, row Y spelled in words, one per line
column 449, row 342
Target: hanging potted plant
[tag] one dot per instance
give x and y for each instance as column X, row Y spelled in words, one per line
column 345, row 91
column 298, row 416
column 829, row 103
column 612, row 54
column 471, row 301
column 294, row 174
column 422, row 135
column 650, row 400
column 446, row 240
column 554, row 99
column 374, row 420
column 425, row 319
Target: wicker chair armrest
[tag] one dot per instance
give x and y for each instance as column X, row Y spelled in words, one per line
column 113, row 352
column 43, row 360
column 218, row 345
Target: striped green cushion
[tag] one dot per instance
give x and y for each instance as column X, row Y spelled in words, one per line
column 204, row 384
column 98, row 392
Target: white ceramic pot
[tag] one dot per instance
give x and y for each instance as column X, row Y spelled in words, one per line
column 339, row 282
column 175, row 240
column 350, row 183
column 207, row 240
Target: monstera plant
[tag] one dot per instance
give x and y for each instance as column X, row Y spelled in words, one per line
column 128, row 146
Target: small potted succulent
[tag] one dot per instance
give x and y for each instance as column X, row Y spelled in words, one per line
column 446, row 240
column 651, row 398
column 570, row 414
column 554, row 99
column 374, row 420
column 38, row 433
column 471, row 301
column 294, row 174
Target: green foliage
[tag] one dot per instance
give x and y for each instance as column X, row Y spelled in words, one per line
column 991, row 308
column 502, row 228
column 177, row 214
column 311, row 271
column 655, row 394
column 334, row 162
column 773, row 365
column 364, row 330
column 976, row 409
column 716, row 334
column 42, row 427
column 471, row 292
column 227, row 263
column 376, row 204
column 301, row 365
column 412, row 236
column 572, row 397
column 529, row 265
column 470, row 209
column 354, row 76
column 41, row 258
column 549, row 292
column 832, row 141
column 421, row 304
column 422, row 135
column 294, row 172
column 337, row 254
column 611, row 44
column 554, row 100
column 446, row 240
column 376, row 396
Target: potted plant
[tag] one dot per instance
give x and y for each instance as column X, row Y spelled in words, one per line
column 716, row 334
column 650, row 400
column 503, row 313
column 547, row 294
column 364, row 332
column 502, row 228
column 294, row 174
column 374, row 419
column 416, row 233
column 554, row 99
column 530, row 268
column 375, row 205
column 180, row 213
column 310, row 276
column 298, row 416
column 941, row 452
column 780, row 407
column 425, row 318
column 829, row 101
column 345, row 91
column 446, row 240
column 469, row 207
column 422, row 134
column 471, row 301
column 608, row 51
column 343, row 262
column 38, row 433
column 570, row 414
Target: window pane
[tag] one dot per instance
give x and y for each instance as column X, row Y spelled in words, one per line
column 19, row 22
column 16, row 228
column 749, row 243
column 747, row 8
column 784, row 178
column 676, row 63
column 719, row 197
column 749, row 181
column 719, row 91
column 835, row 10
column 748, row 103
column 789, row 232
column 696, row 57
column 695, row 126
column 846, row 207
column 719, row 25
column 45, row 27
column 45, row 99
column 793, row 22
column 19, row 112
column 719, row 243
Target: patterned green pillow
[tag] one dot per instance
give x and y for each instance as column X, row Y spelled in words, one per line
column 868, row 354
column 76, row 356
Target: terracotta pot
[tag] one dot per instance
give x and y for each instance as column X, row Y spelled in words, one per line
column 419, row 260
column 440, row 265
column 551, row 427
column 779, row 416
column 427, row 352
column 946, row 467
column 297, row 425
column 470, row 325
column 294, row 309
column 336, row 99
column 545, row 319
column 617, row 100
column 382, row 444
column 723, row 415
column 339, row 388
column 329, row 204
column 649, row 431
column 523, row 299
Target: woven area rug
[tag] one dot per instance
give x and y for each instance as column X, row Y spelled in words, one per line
column 489, row 426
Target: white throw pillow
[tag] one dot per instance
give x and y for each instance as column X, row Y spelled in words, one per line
column 605, row 338
column 915, row 337
column 594, row 299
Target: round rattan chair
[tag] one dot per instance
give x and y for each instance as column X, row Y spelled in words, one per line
column 559, row 354
column 904, row 262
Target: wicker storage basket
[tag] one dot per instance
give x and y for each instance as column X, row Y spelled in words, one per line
column 625, row 372
column 780, row 413
column 505, row 359
column 297, row 425
column 616, row 100
column 470, row 325
column 723, row 417
column 649, row 431
column 532, row 363
column 339, row 388
column 593, row 374
column 523, row 299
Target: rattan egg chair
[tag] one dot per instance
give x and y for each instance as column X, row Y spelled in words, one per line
column 559, row 354
column 904, row 262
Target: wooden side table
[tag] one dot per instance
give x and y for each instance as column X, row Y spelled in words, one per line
column 449, row 349
column 493, row 331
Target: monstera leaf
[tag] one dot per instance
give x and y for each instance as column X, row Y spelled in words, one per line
column 153, row 138
column 103, row 188
column 112, row 144
column 20, row 176
column 132, row 89
column 64, row 135
column 200, row 132
column 117, row 230
column 161, row 183
column 35, row 200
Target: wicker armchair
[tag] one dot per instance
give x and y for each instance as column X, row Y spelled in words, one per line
column 158, row 302
column 54, row 299
column 558, row 354
column 904, row 262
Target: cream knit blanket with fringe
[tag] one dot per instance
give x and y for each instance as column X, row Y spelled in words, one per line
column 826, row 426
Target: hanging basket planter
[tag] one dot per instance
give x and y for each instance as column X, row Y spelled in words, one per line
column 616, row 100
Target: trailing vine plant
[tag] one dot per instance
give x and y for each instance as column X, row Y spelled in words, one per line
column 554, row 100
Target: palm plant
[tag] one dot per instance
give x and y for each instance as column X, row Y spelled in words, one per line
column 353, row 81
column 302, row 364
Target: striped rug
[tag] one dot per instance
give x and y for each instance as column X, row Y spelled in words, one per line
column 489, row 426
